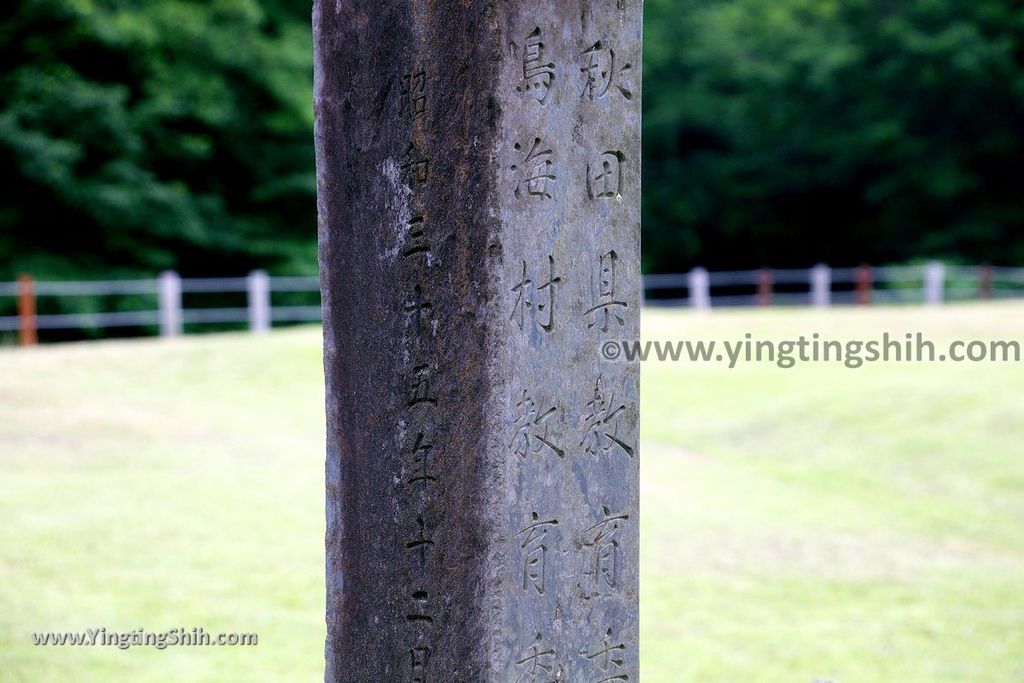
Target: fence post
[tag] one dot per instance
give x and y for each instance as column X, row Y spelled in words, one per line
column 934, row 283
column 258, row 286
column 985, row 277
column 863, row 296
column 170, row 304
column 700, row 289
column 821, row 286
column 27, row 328
column 765, row 287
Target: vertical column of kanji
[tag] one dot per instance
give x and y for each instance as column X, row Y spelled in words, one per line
column 418, row 425
column 534, row 216
column 608, row 112
column 406, row 125
column 570, row 207
column 362, row 202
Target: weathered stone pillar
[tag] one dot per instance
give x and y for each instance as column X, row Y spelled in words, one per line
column 478, row 168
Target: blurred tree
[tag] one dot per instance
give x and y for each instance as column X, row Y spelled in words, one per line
column 138, row 135
column 783, row 132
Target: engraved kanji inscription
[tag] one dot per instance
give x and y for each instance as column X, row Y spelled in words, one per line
column 531, row 429
column 604, row 176
column 418, row 613
column 420, row 653
column 537, row 301
column 420, row 472
column 420, row 544
column 607, row 659
column 538, row 72
column 419, row 390
column 607, row 308
column 419, row 311
column 602, row 423
column 415, row 166
column 416, row 242
column 414, row 93
column 535, row 549
column 535, row 174
column 603, row 73
column 419, row 660
column 537, row 663
column 602, row 542
column 479, row 211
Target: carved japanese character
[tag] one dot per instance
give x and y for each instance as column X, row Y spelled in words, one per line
column 419, row 613
column 538, row 73
column 604, row 176
column 419, row 391
column 607, row 308
column 538, row 663
column 414, row 93
column 420, row 544
column 415, row 166
column 420, row 659
column 531, row 429
column 534, row 546
column 535, row 176
column 603, row 541
column 602, row 72
column 607, row 659
column 416, row 241
column 419, row 459
column 419, row 311
column 542, row 297
column 602, row 422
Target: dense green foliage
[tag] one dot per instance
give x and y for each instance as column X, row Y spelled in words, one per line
column 143, row 134
column 138, row 135
column 788, row 131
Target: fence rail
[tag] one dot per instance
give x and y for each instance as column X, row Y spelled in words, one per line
column 168, row 312
column 820, row 286
column 930, row 283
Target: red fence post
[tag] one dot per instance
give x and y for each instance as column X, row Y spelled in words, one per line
column 985, row 281
column 27, row 334
column 863, row 285
column 765, row 285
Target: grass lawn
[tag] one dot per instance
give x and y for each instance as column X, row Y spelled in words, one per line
column 857, row 526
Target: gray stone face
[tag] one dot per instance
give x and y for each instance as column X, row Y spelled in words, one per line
column 478, row 169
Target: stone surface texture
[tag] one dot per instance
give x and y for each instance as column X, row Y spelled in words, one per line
column 478, row 170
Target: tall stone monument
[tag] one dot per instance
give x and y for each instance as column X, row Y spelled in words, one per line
column 478, row 170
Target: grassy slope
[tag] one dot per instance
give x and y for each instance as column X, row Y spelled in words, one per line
column 160, row 486
column 824, row 523
column 798, row 524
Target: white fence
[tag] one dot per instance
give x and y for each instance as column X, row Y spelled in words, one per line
column 168, row 292
column 821, row 286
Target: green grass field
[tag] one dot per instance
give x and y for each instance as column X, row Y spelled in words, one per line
column 857, row 526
